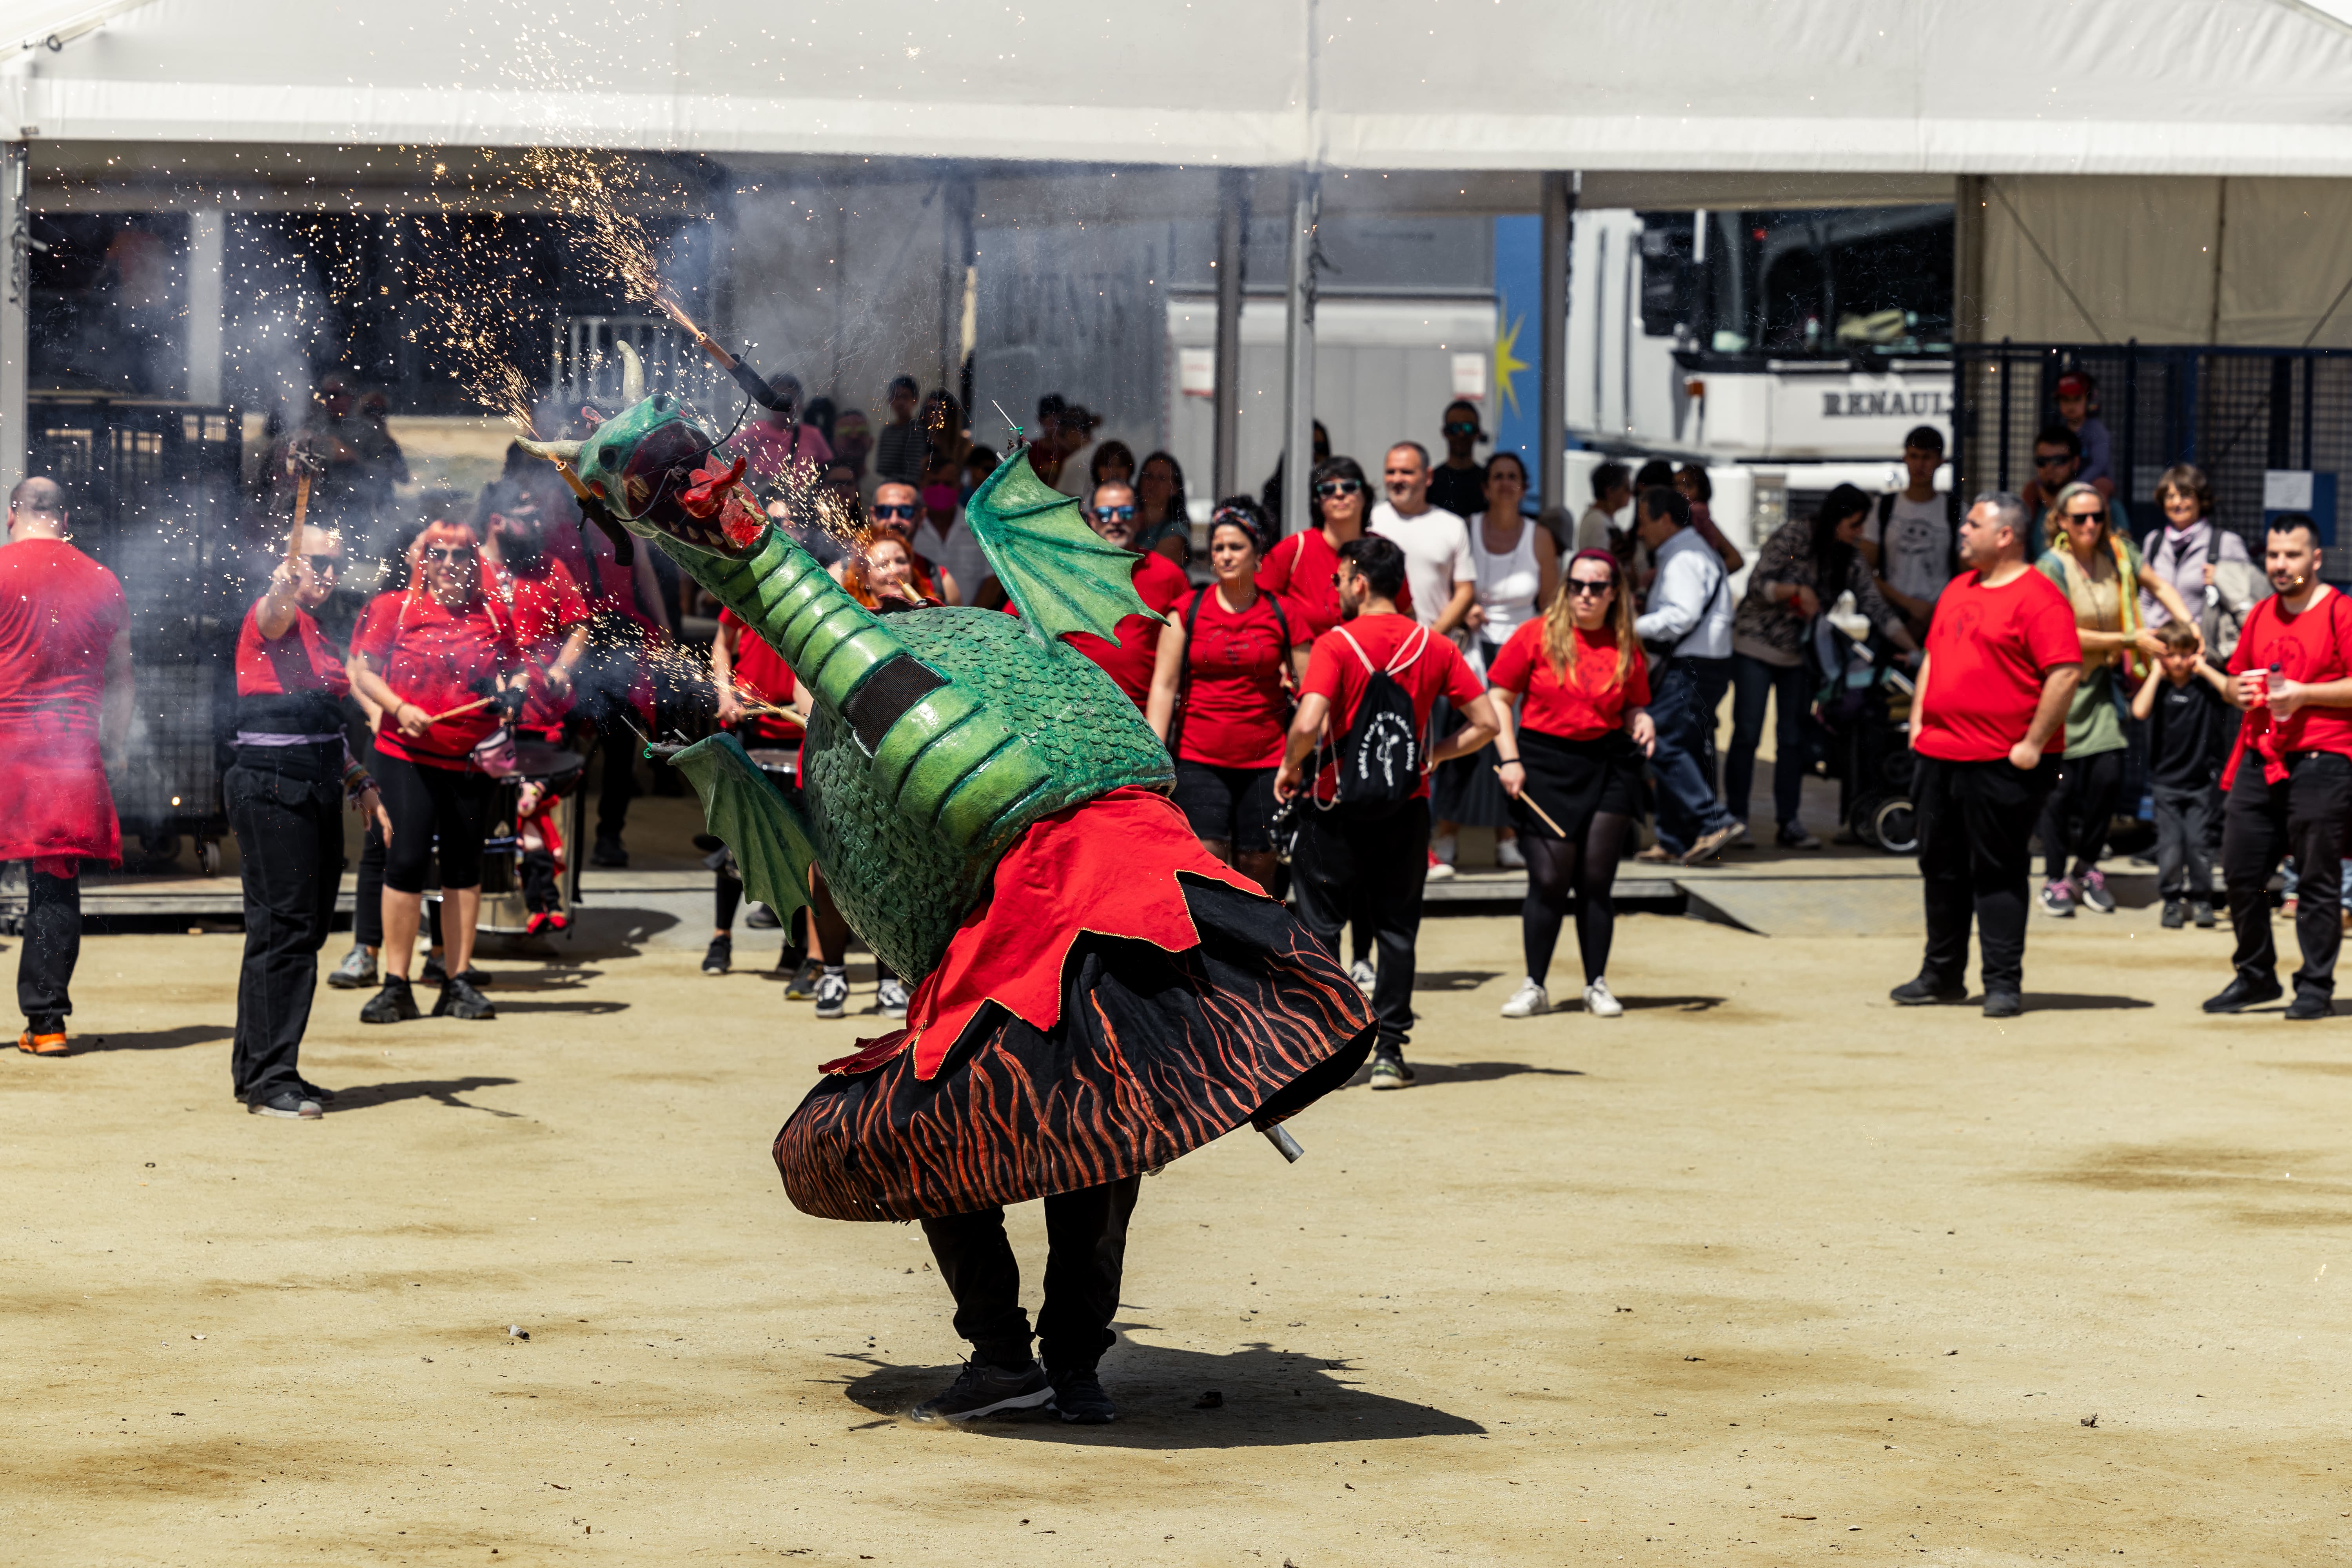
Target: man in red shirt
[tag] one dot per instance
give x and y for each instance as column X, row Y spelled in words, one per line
column 1369, row 861
column 2004, row 660
column 2290, row 778
column 65, row 712
column 1159, row 583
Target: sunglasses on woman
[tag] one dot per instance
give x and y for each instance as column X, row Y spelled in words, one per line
column 2098, row 516
column 1331, row 488
column 1583, row 589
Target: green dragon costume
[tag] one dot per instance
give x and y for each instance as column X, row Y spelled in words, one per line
column 989, row 812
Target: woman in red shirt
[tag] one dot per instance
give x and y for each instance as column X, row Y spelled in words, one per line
column 421, row 655
column 1300, row 568
column 1221, row 699
column 1580, row 687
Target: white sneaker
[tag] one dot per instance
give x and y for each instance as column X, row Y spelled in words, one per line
column 1443, row 847
column 832, row 995
column 1360, row 972
column 1439, row 870
column 1528, row 1001
column 1600, row 1004
column 890, row 998
column 1507, row 855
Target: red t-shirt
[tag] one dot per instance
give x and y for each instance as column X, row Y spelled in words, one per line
column 1988, row 649
column 1236, row 713
column 1590, row 702
column 1334, row 671
column 763, row 676
column 435, row 658
column 59, row 612
column 2307, row 647
column 301, row 660
column 611, row 581
column 1161, row 583
column 545, row 606
column 1299, row 568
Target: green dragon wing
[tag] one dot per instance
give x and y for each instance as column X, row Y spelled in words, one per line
column 1064, row 575
column 772, row 844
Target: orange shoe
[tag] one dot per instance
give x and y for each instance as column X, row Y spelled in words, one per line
column 35, row 1045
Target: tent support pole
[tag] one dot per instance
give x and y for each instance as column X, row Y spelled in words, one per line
column 16, row 313
column 1233, row 225
column 206, row 258
column 1299, row 356
column 960, row 198
column 1560, row 193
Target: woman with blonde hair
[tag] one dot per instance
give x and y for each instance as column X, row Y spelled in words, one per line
column 1573, row 689
column 2101, row 572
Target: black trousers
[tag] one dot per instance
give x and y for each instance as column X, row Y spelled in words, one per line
column 1086, row 1253
column 2185, row 819
column 289, row 841
column 2302, row 816
column 2076, row 820
column 1976, row 827
column 1373, row 872
column 52, row 946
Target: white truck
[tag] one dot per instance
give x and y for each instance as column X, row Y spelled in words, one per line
column 1787, row 351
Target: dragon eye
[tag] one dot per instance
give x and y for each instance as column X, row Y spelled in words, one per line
column 604, row 458
column 661, row 400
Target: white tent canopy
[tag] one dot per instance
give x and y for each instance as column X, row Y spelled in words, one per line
column 2182, row 86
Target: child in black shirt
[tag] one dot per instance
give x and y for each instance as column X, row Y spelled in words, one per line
column 2190, row 724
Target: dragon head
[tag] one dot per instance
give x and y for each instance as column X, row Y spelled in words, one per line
column 657, row 471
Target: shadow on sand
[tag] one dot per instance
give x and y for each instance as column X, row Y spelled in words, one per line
column 443, row 1091
column 1268, row 1399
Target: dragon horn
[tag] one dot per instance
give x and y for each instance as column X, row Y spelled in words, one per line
column 633, row 374
column 553, row 451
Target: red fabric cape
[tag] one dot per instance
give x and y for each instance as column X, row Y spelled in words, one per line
column 1108, row 867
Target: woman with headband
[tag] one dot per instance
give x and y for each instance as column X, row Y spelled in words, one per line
column 1220, row 696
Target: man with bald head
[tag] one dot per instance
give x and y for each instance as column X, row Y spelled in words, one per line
column 64, row 713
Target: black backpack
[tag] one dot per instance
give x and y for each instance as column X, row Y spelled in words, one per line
column 1380, row 757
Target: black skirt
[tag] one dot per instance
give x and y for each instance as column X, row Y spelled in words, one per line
column 1157, row 1053
column 1574, row 779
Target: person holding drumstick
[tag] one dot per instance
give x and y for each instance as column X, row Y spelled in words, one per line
column 1576, row 682
column 439, row 658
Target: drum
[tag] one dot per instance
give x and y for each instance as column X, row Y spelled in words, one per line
column 557, row 769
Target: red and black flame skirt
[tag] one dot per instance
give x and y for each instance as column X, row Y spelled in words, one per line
column 1121, row 999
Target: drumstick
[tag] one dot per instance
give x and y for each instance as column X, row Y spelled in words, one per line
column 486, row 701
column 1529, row 802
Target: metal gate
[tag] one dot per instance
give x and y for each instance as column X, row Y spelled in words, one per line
column 2250, row 418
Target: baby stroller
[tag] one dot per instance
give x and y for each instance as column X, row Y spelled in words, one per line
column 1861, row 716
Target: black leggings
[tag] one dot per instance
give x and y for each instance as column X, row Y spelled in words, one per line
column 2075, row 819
column 1557, row 868
column 425, row 801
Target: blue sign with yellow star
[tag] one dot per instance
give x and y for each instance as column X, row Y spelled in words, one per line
column 1515, row 398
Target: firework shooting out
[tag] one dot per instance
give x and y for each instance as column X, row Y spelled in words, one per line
column 775, row 684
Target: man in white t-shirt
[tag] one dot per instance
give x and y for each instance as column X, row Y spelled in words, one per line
column 1908, row 538
column 1436, row 542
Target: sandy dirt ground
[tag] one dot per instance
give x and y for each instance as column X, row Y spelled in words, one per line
column 1764, row 1272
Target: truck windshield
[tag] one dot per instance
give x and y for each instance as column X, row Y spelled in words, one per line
column 1840, row 283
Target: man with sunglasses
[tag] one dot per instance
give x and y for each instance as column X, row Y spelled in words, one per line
column 64, row 715
column 1458, row 485
column 945, row 545
column 1159, row 583
column 293, row 774
column 2057, row 463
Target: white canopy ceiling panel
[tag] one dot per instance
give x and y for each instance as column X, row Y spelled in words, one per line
column 1896, row 87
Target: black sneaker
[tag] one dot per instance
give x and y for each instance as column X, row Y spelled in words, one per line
column 608, row 852
column 719, row 957
column 1079, row 1396
column 458, row 999
column 1925, row 991
column 981, row 1389
column 2201, row 913
column 2003, row 1005
column 312, row 1092
column 395, row 1003
column 802, row 986
column 2308, row 1005
column 2245, row 991
column 437, row 972
column 291, row 1104
column 2175, row 915
column 1390, row 1071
